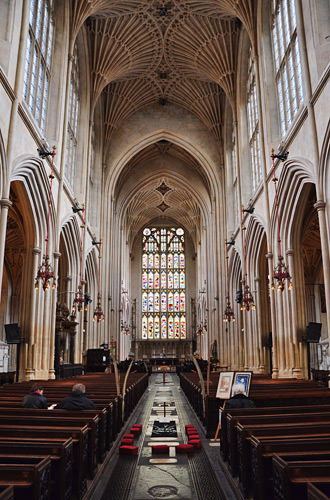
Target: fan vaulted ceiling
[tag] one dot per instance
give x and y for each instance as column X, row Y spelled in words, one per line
column 162, row 52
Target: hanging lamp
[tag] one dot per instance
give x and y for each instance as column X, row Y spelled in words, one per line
column 281, row 273
column 80, row 300
column 247, row 302
column 98, row 312
column 45, row 273
column 228, row 315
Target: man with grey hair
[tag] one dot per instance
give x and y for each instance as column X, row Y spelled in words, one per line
column 76, row 400
column 239, row 399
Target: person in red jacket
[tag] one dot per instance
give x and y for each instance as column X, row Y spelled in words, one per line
column 35, row 399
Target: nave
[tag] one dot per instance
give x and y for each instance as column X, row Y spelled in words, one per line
column 198, row 476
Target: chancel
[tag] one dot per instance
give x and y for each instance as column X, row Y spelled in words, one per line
column 165, row 229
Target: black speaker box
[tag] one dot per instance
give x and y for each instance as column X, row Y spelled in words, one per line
column 313, row 332
column 13, row 333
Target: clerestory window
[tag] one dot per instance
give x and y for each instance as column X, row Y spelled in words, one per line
column 38, row 59
column 253, row 124
column 73, row 118
column 287, row 61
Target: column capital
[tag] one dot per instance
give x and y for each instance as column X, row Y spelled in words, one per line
column 57, row 255
column 5, row 203
column 36, row 251
column 320, row 205
column 269, row 255
column 289, row 251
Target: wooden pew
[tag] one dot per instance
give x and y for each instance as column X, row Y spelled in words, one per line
column 291, row 478
column 259, row 423
column 79, row 437
column 62, row 451
column 230, row 418
column 6, row 493
column 30, row 477
column 316, row 491
column 50, row 419
column 240, row 452
column 262, row 451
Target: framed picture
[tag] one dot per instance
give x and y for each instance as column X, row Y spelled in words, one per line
column 224, row 385
column 245, row 379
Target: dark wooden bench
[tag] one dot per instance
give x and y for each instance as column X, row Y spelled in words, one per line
column 259, row 473
column 240, row 451
column 50, row 419
column 60, row 452
column 291, row 478
column 30, row 477
column 63, row 418
column 79, row 437
column 247, row 427
column 6, row 493
column 316, row 491
column 230, row 418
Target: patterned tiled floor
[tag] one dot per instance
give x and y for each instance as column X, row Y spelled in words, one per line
column 180, row 477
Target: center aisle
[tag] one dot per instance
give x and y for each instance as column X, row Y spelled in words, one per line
column 197, row 476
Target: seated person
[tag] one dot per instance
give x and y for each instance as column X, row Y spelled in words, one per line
column 76, row 400
column 238, row 399
column 35, row 399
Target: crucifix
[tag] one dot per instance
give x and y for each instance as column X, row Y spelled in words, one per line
column 165, row 404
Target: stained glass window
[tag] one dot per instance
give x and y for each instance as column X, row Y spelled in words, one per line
column 163, row 284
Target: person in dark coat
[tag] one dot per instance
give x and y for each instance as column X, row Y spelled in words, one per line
column 77, row 400
column 239, row 400
column 35, row 399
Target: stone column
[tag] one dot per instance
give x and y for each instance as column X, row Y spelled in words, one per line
column 296, row 371
column 260, row 353
column 274, row 354
column 52, row 325
column 5, row 203
column 320, row 207
column 29, row 373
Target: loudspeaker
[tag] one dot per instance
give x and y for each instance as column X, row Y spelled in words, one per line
column 13, row 333
column 313, row 332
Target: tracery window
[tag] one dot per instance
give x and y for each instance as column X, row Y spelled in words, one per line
column 38, row 59
column 73, row 115
column 253, row 123
column 287, row 61
column 163, row 284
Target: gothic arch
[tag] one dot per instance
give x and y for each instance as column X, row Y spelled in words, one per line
column 324, row 180
column 32, row 174
column 3, row 166
column 234, row 343
column 69, row 260
column 156, row 136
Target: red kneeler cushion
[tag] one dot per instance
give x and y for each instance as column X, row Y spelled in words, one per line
column 188, row 425
column 128, row 436
column 139, row 426
column 184, row 448
column 135, row 430
column 193, row 436
column 192, row 433
column 126, row 441
column 128, row 450
column 197, row 443
column 191, row 430
column 160, row 448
